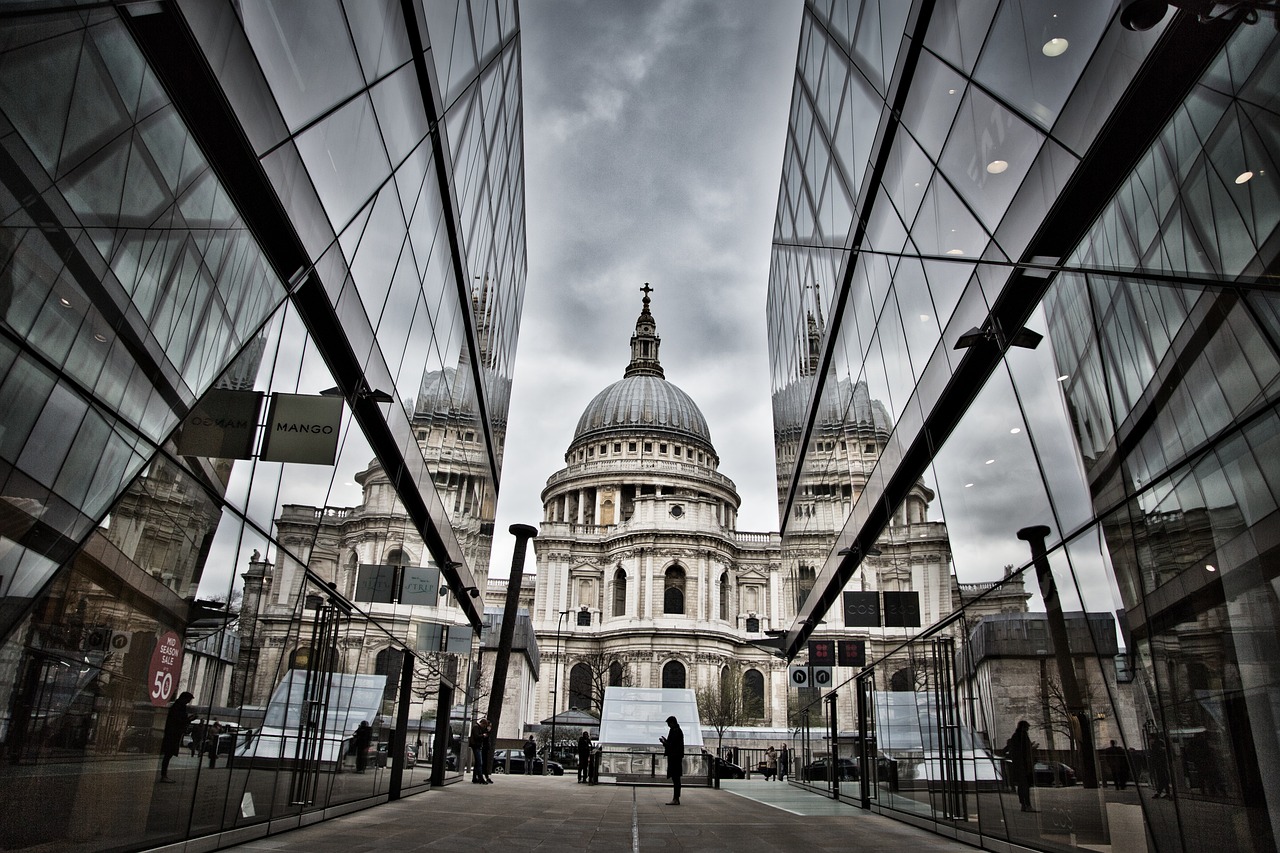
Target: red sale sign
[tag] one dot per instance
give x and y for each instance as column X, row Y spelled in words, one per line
column 166, row 666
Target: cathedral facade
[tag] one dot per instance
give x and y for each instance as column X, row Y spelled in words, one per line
column 643, row 578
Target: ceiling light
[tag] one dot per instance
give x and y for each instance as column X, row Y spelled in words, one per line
column 951, row 91
column 989, row 461
column 1055, row 47
column 1015, row 431
column 924, row 318
column 1244, row 177
column 1210, row 567
column 99, row 337
column 995, row 167
column 955, row 251
column 968, row 485
column 66, row 303
column 1063, row 378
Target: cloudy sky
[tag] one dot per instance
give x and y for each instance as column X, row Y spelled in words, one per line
column 653, row 148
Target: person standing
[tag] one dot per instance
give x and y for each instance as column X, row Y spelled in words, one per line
column 584, row 757
column 1158, row 759
column 770, row 763
column 1118, row 765
column 479, row 743
column 360, row 742
column 530, row 753
column 673, row 746
column 784, row 762
column 211, row 736
column 175, row 726
column 1022, row 762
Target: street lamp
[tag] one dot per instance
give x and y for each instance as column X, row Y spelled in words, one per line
column 555, row 687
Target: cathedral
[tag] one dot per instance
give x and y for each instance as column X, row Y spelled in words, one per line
column 643, row 578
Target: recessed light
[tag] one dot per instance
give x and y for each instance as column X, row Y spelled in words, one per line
column 989, row 461
column 1055, row 47
column 66, row 303
column 924, row 318
column 1015, row 431
column 917, row 183
column 1244, row 177
column 1210, row 567
column 968, row 485
column 995, row 167
column 951, row 91
column 955, row 251
column 1063, row 378
column 99, row 337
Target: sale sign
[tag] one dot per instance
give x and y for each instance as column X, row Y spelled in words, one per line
column 166, row 666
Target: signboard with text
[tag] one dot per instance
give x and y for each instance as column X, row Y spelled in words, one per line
column 862, row 609
column 222, row 425
column 302, row 428
column 166, row 666
column 902, row 610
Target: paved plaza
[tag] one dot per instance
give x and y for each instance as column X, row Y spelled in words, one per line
column 556, row 813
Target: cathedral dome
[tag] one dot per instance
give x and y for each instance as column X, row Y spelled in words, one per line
column 639, row 403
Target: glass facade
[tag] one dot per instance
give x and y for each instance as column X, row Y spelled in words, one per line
column 261, row 273
column 1020, row 302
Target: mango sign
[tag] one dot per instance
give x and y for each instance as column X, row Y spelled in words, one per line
column 166, row 666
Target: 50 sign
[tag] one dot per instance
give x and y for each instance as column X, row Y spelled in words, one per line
column 166, row 666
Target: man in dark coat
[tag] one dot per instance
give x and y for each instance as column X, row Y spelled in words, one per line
column 584, row 757
column 673, row 746
column 530, row 753
column 1022, row 762
column 360, row 743
column 175, row 726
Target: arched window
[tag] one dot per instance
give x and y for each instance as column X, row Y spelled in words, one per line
column 805, row 577
column 673, row 591
column 300, row 658
column 619, row 593
column 673, row 675
column 724, row 596
column 753, row 694
column 580, row 687
column 388, row 662
column 903, row 681
column 615, row 674
column 397, row 557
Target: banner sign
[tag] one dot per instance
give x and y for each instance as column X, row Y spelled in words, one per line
column 375, row 584
column 302, row 428
column 862, row 609
column 222, row 425
column 902, row 610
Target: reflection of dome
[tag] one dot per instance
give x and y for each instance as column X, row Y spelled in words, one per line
column 640, row 403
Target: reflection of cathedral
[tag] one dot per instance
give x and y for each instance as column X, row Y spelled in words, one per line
column 644, row 579
column 334, row 543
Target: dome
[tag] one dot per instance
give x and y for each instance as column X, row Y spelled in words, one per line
column 639, row 403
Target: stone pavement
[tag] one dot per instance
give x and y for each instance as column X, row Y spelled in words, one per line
column 555, row 813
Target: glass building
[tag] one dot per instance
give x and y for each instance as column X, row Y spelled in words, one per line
column 261, row 273
column 1045, row 244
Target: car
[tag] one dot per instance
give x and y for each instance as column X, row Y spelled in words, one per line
column 1054, row 773
column 817, row 770
column 729, row 770
column 380, row 757
column 517, row 763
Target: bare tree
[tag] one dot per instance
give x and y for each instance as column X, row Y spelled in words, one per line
column 722, row 707
column 603, row 673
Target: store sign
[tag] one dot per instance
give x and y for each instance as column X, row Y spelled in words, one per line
column 375, row 584
column 420, row 585
column 302, row 428
column 852, row 653
column 902, row 610
column 862, row 610
column 166, row 666
column 222, row 425
column 798, row 675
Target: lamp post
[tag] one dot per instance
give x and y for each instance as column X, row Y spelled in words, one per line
column 555, row 687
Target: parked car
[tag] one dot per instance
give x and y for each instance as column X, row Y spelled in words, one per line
column 517, row 763
column 1051, row 773
column 380, row 757
column 729, row 770
column 816, row 771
